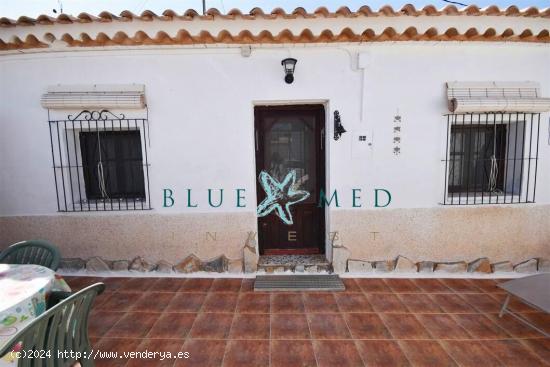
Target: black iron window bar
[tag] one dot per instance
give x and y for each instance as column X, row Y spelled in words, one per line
column 491, row 158
column 100, row 162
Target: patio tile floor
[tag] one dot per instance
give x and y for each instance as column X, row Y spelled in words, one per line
column 375, row 322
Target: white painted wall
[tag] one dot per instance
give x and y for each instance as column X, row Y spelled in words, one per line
column 201, row 115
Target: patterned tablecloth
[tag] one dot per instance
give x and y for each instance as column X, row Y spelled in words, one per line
column 24, row 290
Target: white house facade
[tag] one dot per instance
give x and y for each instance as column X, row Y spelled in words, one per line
column 421, row 133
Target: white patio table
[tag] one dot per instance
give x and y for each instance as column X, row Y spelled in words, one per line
column 533, row 290
column 23, row 293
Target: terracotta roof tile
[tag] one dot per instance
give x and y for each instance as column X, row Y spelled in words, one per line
column 127, row 15
column 206, row 35
column 213, row 12
column 105, row 16
column 44, row 19
column 183, row 37
column 345, row 12
column 257, row 12
column 430, row 10
column 25, row 21
column 49, row 37
column 492, row 10
column 406, row 10
column 86, row 18
column 512, row 10
column 322, row 12
column 190, row 13
column 472, row 10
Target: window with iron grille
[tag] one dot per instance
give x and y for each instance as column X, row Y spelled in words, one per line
column 491, row 158
column 100, row 162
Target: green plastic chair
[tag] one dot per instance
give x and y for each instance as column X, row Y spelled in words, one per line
column 37, row 252
column 64, row 327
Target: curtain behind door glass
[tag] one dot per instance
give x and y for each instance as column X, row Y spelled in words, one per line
column 289, row 146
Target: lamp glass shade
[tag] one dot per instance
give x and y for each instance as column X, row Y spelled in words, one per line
column 289, row 64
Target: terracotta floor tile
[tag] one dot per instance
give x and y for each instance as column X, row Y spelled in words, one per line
column 292, row 353
column 196, row 285
column 353, row 302
column 78, row 283
column 461, row 285
column 382, row 353
column 250, row 326
column 100, row 321
column 479, row 326
column 512, row 353
column 442, row 326
column 488, row 285
column 137, row 284
column 328, row 326
column 133, row 325
column 94, row 341
column 289, row 326
column 426, row 353
column 404, row 326
column 482, row 302
column 102, row 298
column 351, row 285
column 470, row 353
column 247, row 285
column 539, row 319
column 174, row 311
column 119, row 345
column 168, row 284
column 515, row 303
column 120, row 301
column 287, row 303
column 372, row 285
column 541, row 347
column 226, row 285
column 320, row 302
column 220, row 302
column 73, row 281
column 114, row 283
column 514, row 327
column 186, row 302
column 152, row 302
column 202, row 353
column 419, row 303
column 386, row 302
column 518, row 305
column 172, row 326
column 432, row 286
column 253, row 303
column 367, row 326
column 157, row 345
column 250, row 353
column 452, row 303
column 212, row 326
column 341, row 353
column 402, row 285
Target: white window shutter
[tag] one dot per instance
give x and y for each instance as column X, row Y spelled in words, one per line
column 94, row 96
column 464, row 97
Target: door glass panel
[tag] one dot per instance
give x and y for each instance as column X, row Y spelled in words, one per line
column 290, row 146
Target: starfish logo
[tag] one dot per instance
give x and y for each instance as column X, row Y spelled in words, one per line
column 280, row 196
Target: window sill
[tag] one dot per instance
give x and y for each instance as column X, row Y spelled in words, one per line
column 485, row 199
column 108, row 205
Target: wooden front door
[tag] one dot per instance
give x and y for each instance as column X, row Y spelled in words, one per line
column 290, row 173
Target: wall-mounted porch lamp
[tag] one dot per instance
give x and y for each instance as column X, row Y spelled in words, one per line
column 338, row 127
column 288, row 65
